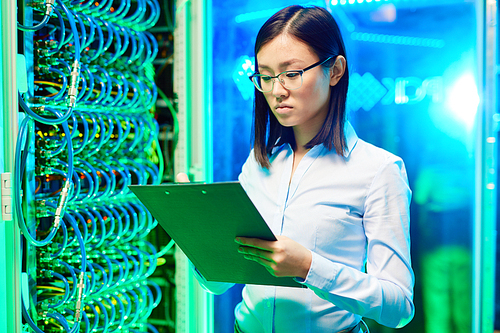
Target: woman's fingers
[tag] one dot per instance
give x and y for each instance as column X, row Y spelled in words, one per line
column 182, row 178
column 255, row 242
column 283, row 257
column 252, row 251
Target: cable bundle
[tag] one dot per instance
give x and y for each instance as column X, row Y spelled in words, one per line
column 86, row 135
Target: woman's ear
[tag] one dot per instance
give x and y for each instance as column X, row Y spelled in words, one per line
column 337, row 70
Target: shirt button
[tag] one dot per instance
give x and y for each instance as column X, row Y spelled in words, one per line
column 268, row 304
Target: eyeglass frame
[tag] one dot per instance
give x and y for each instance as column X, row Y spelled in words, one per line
column 301, row 71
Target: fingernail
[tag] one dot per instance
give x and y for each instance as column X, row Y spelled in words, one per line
column 237, row 240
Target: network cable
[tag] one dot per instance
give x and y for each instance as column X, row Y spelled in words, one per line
column 87, row 134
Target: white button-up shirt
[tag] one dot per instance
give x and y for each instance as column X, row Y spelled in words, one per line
column 352, row 213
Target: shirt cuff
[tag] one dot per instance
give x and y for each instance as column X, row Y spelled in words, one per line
column 322, row 273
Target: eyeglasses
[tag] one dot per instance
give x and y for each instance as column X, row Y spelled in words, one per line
column 290, row 80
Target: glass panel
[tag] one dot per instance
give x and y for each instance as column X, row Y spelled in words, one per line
column 412, row 92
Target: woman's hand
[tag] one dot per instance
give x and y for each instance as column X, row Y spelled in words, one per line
column 182, row 178
column 283, row 257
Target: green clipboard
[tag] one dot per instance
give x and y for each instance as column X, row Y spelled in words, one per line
column 204, row 220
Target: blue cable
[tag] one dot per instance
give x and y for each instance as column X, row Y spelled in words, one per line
column 85, row 319
column 83, row 31
column 93, row 278
column 117, row 46
column 128, row 311
column 78, row 235
column 43, row 120
column 133, row 51
column 90, row 217
column 100, row 241
column 107, row 83
column 136, row 275
column 104, row 313
column 124, row 12
column 92, row 28
column 110, row 35
column 83, row 89
column 154, row 16
column 137, row 15
column 85, row 137
column 100, row 40
column 105, row 9
column 71, row 270
column 74, row 30
column 66, row 290
column 96, row 317
column 28, row 319
column 66, row 65
column 121, row 312
column 36, row 27
column 140, row 49
column 62, row 91
column 86, row 175
column 63, row 245
column 125, row 260
column 152, row 328
column 154, row 45
column 62, row 32
column 117, row 11
column 90, row 88
column 82, row 223
column 110, row 269
column 134, row 230
column 104, row 281
column 118, row 221
column 113, row 312
column 93, row 173
column 18, row 176
column 126, row 120
column 127, row 221
column 137, row 307
column 120, row 277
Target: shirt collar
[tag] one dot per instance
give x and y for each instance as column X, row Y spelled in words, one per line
column 351, row 139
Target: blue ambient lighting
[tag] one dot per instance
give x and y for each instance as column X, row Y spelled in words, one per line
column 398, row 40
column 463, row 99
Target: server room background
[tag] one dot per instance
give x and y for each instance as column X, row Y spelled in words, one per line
column 99, row 95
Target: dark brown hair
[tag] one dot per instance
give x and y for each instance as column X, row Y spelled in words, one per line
column 316, row 27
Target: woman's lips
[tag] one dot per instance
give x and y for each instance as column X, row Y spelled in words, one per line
column 283, row 108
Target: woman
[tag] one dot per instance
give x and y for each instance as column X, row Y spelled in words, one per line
column 338, row 205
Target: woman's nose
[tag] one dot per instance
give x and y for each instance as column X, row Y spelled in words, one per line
column 279, row 89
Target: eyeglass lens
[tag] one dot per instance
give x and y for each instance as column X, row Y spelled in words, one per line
column 290, row 80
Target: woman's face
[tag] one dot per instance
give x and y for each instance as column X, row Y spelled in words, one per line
column 304, row 109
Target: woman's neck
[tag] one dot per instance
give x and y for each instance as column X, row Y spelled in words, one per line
column 303, row 137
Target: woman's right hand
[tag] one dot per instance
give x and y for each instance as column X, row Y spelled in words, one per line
column 182, row 178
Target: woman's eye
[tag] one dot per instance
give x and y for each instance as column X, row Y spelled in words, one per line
column 265, row 78
column 292, row 75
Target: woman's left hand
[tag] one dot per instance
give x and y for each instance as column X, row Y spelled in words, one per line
column 283, row 257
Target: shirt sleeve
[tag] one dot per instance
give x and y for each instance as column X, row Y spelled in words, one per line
column 385, row 292
column 212, row 287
